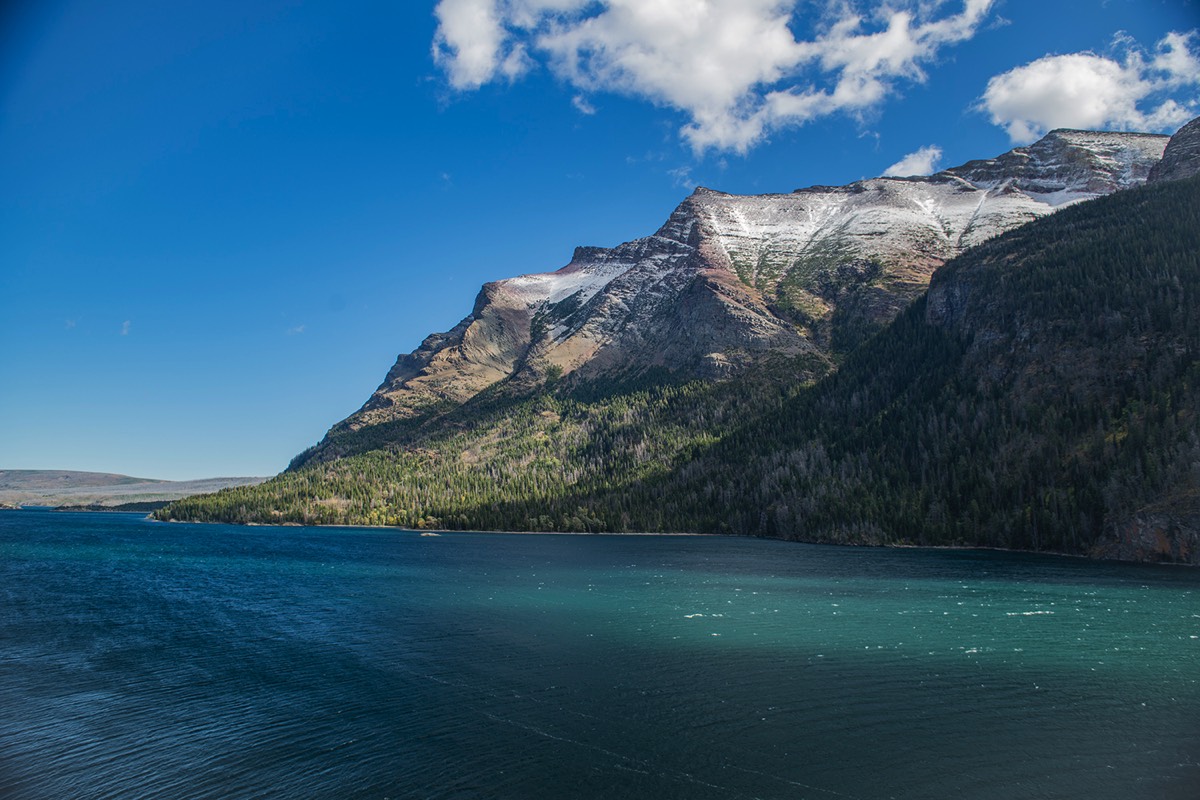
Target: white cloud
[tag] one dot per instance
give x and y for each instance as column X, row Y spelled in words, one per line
column 922, row 162
column 734, row 67
column 295, row 330
column 1176, row 59
column 468, row 41
column 125, row 328
column 1085, row 90
column 582, row 105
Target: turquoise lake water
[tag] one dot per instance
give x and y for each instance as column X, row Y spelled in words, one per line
column 147, row 660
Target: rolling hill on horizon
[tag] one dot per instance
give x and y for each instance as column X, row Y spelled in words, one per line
column 42, row 487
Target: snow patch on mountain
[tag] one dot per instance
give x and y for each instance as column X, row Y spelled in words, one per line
column 554, row 287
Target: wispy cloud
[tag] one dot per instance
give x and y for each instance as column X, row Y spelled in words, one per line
column 1134, row 89
column 733, row 67
column 582, row 105
column 682, row 176
column 125, row 328
column 921, row 162
column 70, row 324
column 295, row 330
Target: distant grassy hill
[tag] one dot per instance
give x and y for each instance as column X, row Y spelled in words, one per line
column 42, row 487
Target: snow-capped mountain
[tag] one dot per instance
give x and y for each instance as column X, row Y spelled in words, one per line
column 730, row 279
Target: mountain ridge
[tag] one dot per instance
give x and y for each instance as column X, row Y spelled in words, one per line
column 729, row 280
column 1041, row 393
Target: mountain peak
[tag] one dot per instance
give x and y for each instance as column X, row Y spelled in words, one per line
column 729, row 281
column 1068, row 164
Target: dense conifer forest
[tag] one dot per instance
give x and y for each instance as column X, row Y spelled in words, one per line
column 1045, row 389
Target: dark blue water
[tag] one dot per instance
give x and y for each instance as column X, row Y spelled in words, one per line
column 146, row 660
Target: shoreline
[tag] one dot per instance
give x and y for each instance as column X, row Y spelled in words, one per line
column 439, row 532
column 898, row 546
column 442, row 531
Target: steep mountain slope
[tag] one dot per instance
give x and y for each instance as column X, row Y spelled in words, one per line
column 836, row 258
column 1044, row 394
column 730, row 281
column 1181, row 159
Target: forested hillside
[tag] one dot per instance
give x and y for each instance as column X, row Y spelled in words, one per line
column 1042, row 395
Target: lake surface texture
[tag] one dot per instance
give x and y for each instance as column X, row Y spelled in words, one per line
column 146, row 660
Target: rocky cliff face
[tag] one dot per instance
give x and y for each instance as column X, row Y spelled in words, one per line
column 1155, row 534
column 729, row 279
column 1181, row 159
column 840, row 262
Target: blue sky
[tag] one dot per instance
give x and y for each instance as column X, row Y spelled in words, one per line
column 221, row 222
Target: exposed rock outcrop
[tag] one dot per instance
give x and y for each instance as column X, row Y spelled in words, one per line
column 1159, row 534
column 1181, row 159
